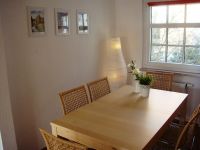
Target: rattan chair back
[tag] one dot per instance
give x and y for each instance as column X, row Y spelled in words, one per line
column 186, row 137
column 54, row 143
column 74, row 99
column 161, row 80
column 98, row 88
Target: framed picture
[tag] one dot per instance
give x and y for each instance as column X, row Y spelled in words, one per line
column 36, row 21
column 62, row 21
column 82, row 22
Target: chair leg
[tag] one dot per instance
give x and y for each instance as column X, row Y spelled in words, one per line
column 44, row 148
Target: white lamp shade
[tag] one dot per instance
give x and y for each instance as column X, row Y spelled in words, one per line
column 115, row 66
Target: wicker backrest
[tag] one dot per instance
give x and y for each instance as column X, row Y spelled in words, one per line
column 161, row 80
column 54, row 143
column 98, row 88
column 74, row 99
column 185, row 139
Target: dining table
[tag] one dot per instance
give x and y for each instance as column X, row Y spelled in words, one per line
column 121, row 120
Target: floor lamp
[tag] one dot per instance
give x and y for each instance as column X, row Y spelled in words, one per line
column 115, row 66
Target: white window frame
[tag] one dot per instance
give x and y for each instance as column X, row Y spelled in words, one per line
column 147, row 46
column 1, row 143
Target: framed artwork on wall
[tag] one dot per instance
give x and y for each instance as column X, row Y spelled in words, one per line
column 62, row 21
column 37, row 21
column 82, row 22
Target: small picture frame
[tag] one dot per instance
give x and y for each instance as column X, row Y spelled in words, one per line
column 62, row 21
column 82, row 22
column 37, row 21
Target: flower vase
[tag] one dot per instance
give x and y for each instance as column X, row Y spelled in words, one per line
column 136, row 86
column 144, row 90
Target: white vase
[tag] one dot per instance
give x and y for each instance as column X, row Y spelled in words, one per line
column 144, row 90
column 136, row 86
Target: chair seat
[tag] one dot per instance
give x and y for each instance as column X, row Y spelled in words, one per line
column 171, row 135
column 54, row 143
column 162, row 146
column 179, row 137
column 169, row 138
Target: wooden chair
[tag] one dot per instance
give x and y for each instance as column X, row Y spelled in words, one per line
column 161, row 80
column 187, row 135
column 180, row 137
column 98, row 88
column 54, row 143
column 73, row 99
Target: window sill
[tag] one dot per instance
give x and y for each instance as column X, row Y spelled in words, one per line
column 183, row 73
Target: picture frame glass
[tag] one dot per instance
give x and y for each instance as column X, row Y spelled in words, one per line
column 62, row 22
column 83, row 22
column 37, row 22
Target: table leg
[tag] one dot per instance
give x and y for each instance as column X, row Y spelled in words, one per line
column 54, row 130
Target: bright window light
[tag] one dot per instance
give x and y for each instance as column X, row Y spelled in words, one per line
column 175, row 34
column 1, row 144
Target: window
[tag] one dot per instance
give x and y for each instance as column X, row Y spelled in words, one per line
column 1, row 144
column 174, row 34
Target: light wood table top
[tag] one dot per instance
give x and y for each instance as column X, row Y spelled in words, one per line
column 121, row 120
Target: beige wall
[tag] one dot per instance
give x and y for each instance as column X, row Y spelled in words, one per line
column 6, row 120
column 40, row 67
column 129, row 26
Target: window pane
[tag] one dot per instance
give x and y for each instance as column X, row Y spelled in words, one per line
column 175, row 36
column 176, row 13
column 159, row 14
column 192, row 36
column 85, row 17
column 192, row 55
column 193, row 12
column 158, row 53
column 175, row 54
column 159, row 35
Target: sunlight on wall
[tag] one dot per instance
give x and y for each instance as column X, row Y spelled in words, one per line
column 1, row 144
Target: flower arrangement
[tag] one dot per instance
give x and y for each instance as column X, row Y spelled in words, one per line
column 133, row 70
column 142, row 77
column 142, row 80
column 145, row 79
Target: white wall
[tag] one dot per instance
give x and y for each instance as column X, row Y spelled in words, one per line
column 129, row 26
column 40, row 67
column 7, row 133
